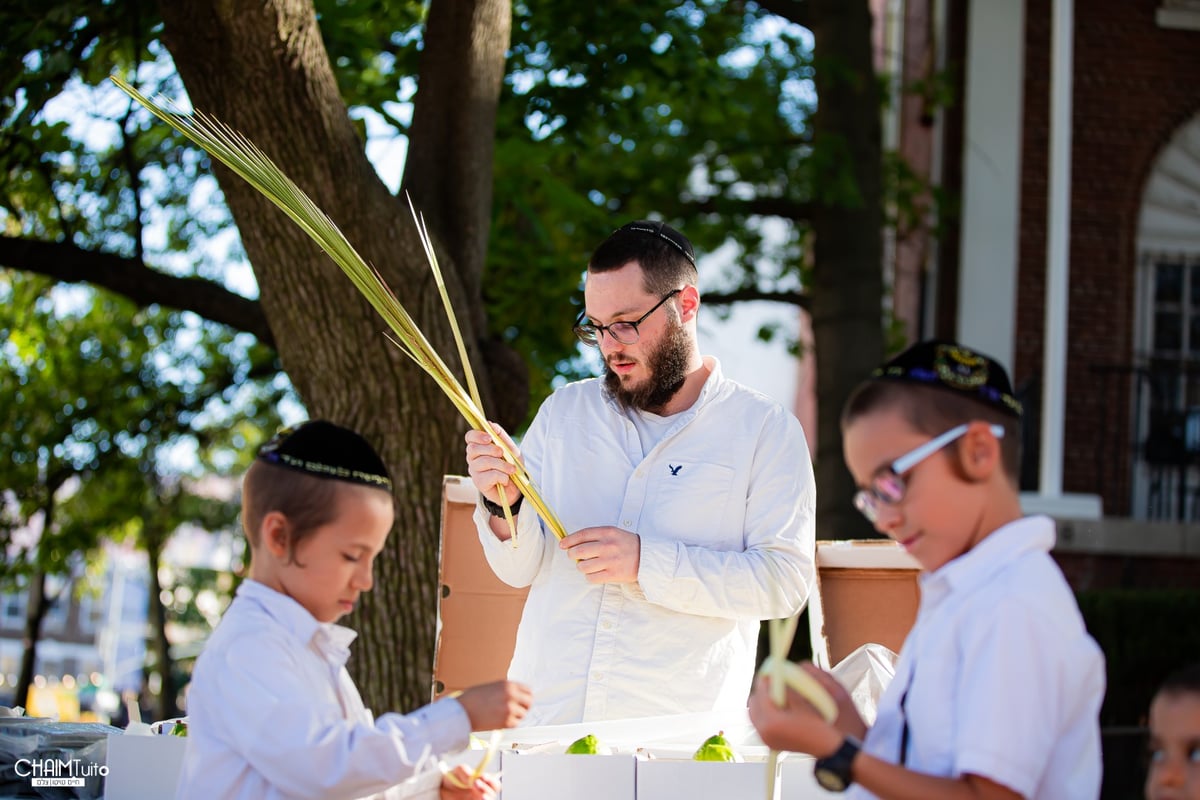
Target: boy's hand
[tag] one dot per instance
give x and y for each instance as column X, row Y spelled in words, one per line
column 485, row 787
column 496, row 705
column 797, row 726
column 487, row 467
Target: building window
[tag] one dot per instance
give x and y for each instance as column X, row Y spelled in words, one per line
column 1166, row 389
column 1180, row 14
column 13, row 611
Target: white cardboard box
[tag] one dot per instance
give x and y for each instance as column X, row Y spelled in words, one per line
column 143, row 767
column 672, row 779
column 555, row 776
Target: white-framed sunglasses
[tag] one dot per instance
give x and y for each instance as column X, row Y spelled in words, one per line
column 887, row 486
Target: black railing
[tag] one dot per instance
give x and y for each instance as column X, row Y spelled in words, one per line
column 1149, row 443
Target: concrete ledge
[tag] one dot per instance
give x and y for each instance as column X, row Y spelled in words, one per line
column 1121, row 536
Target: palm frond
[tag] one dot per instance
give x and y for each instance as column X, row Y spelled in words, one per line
column 245, row 159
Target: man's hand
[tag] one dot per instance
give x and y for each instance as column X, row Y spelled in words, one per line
column 487, row 467
column 501, row 704
column 605, row 554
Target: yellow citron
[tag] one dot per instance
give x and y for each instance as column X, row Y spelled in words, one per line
column 805, row 685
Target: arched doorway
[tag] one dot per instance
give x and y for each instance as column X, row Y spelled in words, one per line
column 1166, row 480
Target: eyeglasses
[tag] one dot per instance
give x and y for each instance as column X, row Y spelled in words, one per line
column 888, row 486
column 624, row 331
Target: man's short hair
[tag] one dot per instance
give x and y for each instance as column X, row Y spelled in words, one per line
column 665, row 255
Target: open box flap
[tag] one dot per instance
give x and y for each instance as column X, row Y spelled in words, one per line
column 477, row 613
column 866, row 592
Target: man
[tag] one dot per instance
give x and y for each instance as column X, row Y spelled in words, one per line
column 691, row 499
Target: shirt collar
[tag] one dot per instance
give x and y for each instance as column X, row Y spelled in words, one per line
column 330, row 639
column 991, row 554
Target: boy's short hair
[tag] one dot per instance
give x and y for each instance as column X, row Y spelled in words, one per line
column 665, row 255
column 936, row 385
column 300, row 473
column 1185, row 680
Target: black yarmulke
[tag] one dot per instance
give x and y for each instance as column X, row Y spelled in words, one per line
column 665, row 232
column 326, row 450
column 952, row 366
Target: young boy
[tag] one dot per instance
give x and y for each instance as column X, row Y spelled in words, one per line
column 998, row 687
column 272, row 710
column 1174, row 772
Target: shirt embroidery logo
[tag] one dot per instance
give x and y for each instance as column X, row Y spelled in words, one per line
column 674, row 469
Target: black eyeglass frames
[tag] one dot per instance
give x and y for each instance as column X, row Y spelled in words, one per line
column 624, row 331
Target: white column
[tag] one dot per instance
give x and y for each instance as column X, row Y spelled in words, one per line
column 987, row 292
column 1058, row 252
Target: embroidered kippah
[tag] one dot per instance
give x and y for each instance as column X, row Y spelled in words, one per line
column 326, row 450
column 952, row 366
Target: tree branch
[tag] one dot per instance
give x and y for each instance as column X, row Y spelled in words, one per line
column 798, row 299
column 795, row 11
column 136, row 281
column 758, row 206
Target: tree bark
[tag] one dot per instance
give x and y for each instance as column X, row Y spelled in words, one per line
column 847, row 290
column 168, row 706
column 35, row 611
column 262, row 69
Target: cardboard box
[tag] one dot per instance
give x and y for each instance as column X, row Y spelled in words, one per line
column 143, row 767
column 796, row 780
column 555, row 776
column 671, row 779
column 866, row 591
column 477, row 613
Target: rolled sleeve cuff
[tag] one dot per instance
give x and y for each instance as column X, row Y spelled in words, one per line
column 656, row 567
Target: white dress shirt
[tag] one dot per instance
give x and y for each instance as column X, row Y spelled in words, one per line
column 724, row 506
column 1002, row 678
column 273, row 714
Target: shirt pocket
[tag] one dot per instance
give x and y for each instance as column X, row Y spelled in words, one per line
column 691, row 502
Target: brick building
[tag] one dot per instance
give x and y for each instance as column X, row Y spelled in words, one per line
column 1071, row 252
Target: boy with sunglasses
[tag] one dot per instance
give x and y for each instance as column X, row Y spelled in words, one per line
column 998, row 687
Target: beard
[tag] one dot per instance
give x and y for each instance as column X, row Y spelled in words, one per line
column 668, row 366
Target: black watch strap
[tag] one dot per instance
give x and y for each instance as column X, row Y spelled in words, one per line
column 833, row 772
column 497, row 510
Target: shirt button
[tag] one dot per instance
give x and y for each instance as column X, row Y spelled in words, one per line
column 597, row 676
column 606, row 625
column 626, row 522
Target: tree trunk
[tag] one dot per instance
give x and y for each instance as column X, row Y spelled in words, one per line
column 262, row 69
column 847, row 289
column 168, row 706
column 35, row 611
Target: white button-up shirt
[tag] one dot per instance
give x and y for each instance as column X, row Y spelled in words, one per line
column 724, row 506
column 273, row 714
column 1002, row 678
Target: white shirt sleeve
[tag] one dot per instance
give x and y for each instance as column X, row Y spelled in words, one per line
column 288, row 728
column 517, row 561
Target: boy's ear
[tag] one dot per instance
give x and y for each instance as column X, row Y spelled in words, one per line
column 979, row 452
column 275, row 533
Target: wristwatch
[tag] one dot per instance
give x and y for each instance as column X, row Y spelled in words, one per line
column 497, row 510
column 833, row 772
